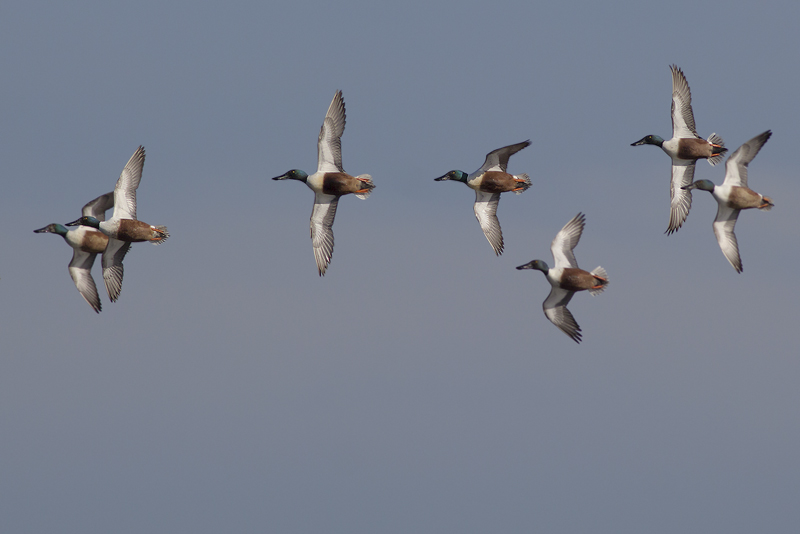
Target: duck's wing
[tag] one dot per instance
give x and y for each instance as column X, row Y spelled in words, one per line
column 736, row 166
column 566, row 240
column 486, row 212
column 321, row 229
column 497, row 160
column 112, row 266
column 682, row 115
column 97, row 208
column 125, row 190
column 555, row 309
column 680, row 199
column 723, row 229
column 329, row 144
column 80, row 269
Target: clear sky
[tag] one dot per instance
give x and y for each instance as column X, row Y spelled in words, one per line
column 417, row 387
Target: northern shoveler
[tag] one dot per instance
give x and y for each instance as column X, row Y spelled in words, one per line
column 88, row 243
column 329, row 182
column 733, row 196
column 685, row 148
column 566, row 278
column 488, row 182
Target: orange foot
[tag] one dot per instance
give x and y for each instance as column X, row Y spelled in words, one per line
column 363, row 191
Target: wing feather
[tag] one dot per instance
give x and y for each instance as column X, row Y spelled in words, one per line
column 723, row 229
column 80, row 269
column 112, row 266
column 497, row 160
column 321, row 229
column 486, row 212
column 97, row 208
column 125, row 190
column 680, row 199
column 682, row 115
column 565, row 241
column 329, row 144
column 736, row 166
column 555, row 309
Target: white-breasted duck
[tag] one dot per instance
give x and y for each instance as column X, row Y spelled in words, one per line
column 489, row 182
column 566, row 278
column 87, row 243
column 330, row 182
column 685, row 148
column 734, row 196
column 123, row 227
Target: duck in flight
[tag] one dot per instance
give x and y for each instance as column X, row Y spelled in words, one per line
column 329, row 183
column 685, row 148
column 489, row 182
column 566, row 278
column 734, row 196
column 87, row 243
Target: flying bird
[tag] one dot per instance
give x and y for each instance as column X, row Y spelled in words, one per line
column 685, row 148
column 123, row 228
column 734, row 196
column 566, row 278
column 488, row 182
column 86, row 244
column 329, row 182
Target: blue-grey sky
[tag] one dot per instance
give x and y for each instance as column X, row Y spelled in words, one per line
column 417, row 387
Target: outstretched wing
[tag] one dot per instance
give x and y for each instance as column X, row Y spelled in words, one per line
column 125, row 190
column 321, row 229
column 486, row 212
column 329, row 144
column 566, row 240
column 97, row 208
column 497, row 160
column 682, row 115
column 723, row 229
column 80, row 269
column 112, row 266
column 555, row 309
column 680, row 199
column 736, row 166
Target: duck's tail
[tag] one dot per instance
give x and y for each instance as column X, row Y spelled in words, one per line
column 366, row 184
column 160, row 236
column 523, row 182
column 601, row 277
column 718, row 149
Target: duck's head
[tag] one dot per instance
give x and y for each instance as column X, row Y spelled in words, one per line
column 539, row 265
column 458, row 176
column 54, row 228
column 294, row 174
column 649, row 140
column 86, row 220
column 705, row 185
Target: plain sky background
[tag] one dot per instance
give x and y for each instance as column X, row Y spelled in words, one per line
column 417, row 387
